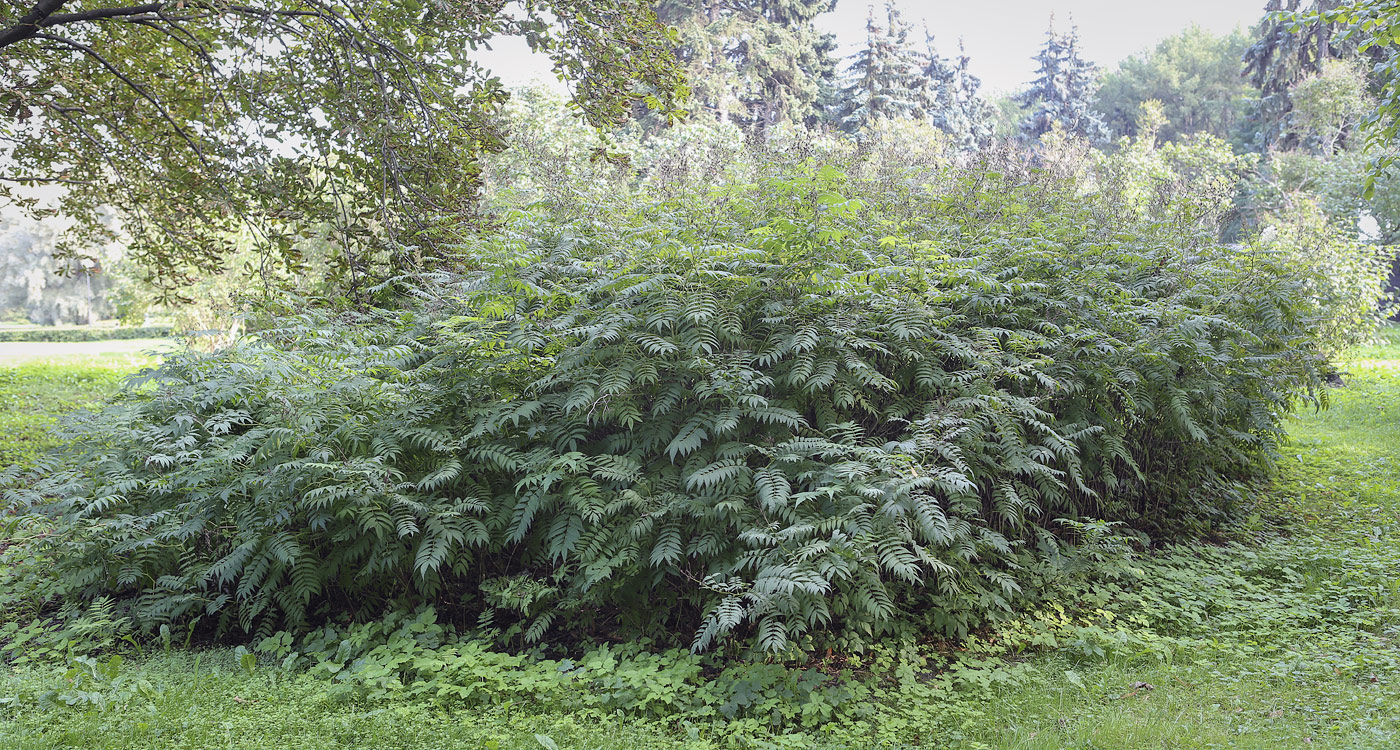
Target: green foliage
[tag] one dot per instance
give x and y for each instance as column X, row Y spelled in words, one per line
column 85, row 334
column 885, row 79
column 754, row 64
column 1283, row 634
column 814, row 411
column 1200, row 174
column 192, row 120
column 1326, row 162
column 415, row 658
column 890, row 79
column 1371, row 27
column 1062, row 95
column 1196, row 76
column 953, row 103
column 1296, row 40
column 1330, row 106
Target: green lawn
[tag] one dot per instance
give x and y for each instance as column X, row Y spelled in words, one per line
column 1283, row 633
column 41, row 380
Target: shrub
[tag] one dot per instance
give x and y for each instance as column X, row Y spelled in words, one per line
column 85, row 334
column 810, row 411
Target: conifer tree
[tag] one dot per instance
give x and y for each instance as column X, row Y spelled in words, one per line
column 975, row 114
column 953, row 103
column 1063, row 92
column 939, row 86
column 754, row 62
column 885, row 79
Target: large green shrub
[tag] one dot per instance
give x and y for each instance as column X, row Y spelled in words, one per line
column 814, row 409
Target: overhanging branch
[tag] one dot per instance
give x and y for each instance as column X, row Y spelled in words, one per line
column 30, row 23
column 138, row 88
column 101, row 13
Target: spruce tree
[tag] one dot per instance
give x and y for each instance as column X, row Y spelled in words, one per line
column 975, row 114
column 885, row 78
column 939, row 86
column 1048, row 87
column 1063, row 92
column 952, row 101
column 754, row 62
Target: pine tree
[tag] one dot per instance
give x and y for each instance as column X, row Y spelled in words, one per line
column 1063, row 92
column 755, row 62
column 885, row 78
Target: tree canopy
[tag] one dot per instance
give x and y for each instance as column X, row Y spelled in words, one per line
column 200, row 120
column 754, row 63
column 1372, row 27
column 885, row 78
column 1195, row 74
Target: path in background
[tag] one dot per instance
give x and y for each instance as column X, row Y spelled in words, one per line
column 115, row 353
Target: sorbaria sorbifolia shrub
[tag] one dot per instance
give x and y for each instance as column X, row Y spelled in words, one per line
column 811, row 409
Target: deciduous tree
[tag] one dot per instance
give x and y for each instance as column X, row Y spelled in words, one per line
column 195, row 118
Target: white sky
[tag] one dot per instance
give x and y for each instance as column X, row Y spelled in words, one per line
column 1001, row 35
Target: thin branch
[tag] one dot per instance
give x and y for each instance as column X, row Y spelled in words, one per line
column 64, row 180
column 138, row 88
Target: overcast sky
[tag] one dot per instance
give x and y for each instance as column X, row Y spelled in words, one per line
column 1001, row 35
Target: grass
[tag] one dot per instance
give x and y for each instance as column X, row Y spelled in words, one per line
column 1321, row 661
column 211, row 704
column 1288, row 635
column 41, row 380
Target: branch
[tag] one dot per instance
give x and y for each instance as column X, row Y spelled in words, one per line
column 30, row 23
column 138, row 88
column 99, row 14
column 64, row 180
column 43, row 17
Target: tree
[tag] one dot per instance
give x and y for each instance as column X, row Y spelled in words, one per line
column 971, row 120
column 1063, row 91
column 755, row 62
column 1293, row 43
column 31, row 290
column 885, row 78
column 1196, row 75
column 196, row 118
column 952, row 102
column 1372, row 27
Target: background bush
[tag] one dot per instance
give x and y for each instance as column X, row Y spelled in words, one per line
column 85, row 334
column 868, row 397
